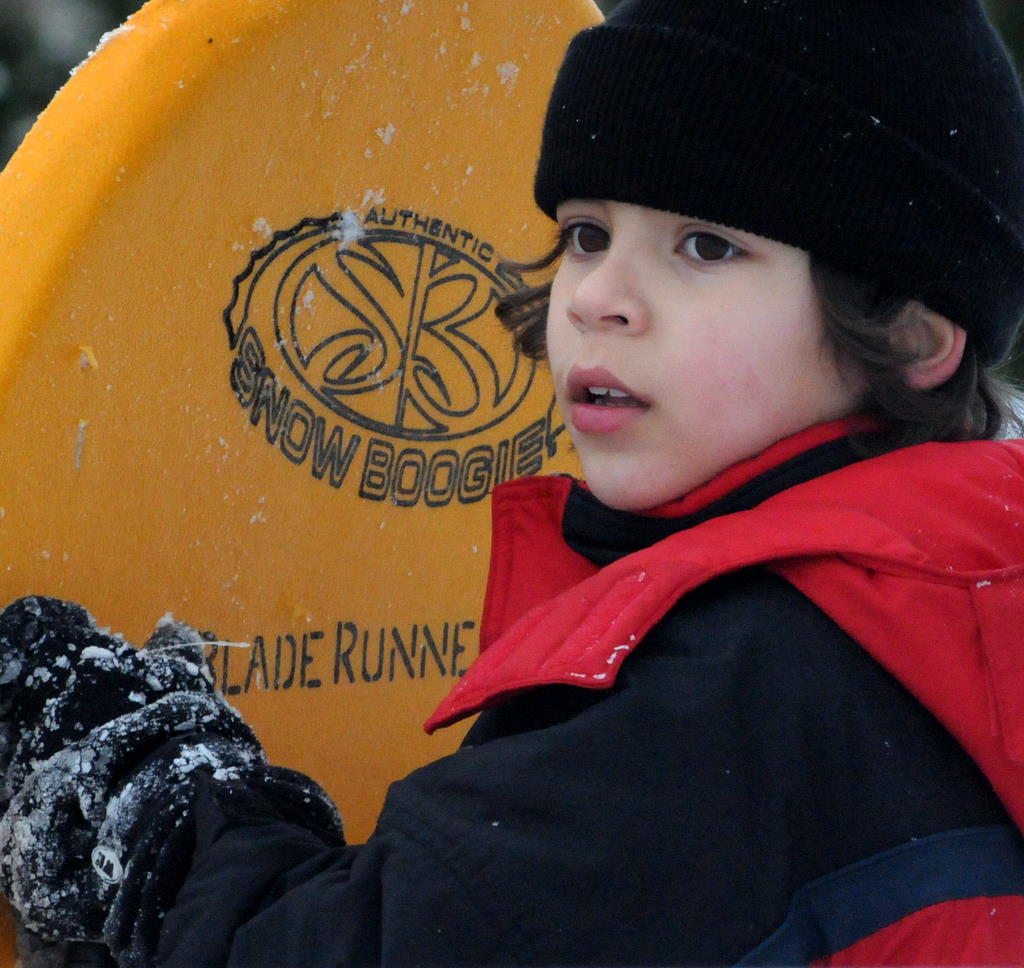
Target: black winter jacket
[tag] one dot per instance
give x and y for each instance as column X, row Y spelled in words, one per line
column 747, row 749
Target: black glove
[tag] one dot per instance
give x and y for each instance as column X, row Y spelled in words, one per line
column 61, row 676
column 161, row 846
column 103, row 749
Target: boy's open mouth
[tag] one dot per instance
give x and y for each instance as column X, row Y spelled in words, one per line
column 596, row 387
column 609, row 397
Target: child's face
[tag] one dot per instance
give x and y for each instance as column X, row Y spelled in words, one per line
column 708, row 341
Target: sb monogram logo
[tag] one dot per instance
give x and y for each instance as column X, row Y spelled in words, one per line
column 390, row 329
column 373, row 342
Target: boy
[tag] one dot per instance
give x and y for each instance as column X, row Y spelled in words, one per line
column 751, row 696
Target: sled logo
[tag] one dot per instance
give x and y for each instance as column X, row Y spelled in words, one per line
column 107, row 865
column 352, row 333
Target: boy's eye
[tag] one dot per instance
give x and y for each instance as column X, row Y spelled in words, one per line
column 708, row 247
column 585, row 237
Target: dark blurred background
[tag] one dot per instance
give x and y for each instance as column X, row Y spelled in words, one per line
column 42, row 40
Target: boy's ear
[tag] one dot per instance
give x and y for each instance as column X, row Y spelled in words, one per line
column 938, row 347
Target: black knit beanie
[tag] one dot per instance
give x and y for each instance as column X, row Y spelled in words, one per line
column 886, row 137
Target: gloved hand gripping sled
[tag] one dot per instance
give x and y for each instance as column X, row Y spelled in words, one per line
column 103, row 749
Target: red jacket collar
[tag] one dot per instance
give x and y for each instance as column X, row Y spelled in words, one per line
column 897, row 550
column 531, row 564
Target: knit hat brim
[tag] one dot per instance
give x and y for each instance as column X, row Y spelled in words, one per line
column 744, row 143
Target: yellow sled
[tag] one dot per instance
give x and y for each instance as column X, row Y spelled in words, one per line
column 249, row 370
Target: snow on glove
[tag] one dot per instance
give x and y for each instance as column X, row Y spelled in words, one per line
column 49, row 865
column 61, row 676
column 103, row 749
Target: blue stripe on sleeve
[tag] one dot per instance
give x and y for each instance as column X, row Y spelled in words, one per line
column 832, row 913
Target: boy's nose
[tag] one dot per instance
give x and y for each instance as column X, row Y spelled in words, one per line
column 607, row 297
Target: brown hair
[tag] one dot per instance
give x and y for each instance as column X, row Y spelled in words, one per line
column 860, row 319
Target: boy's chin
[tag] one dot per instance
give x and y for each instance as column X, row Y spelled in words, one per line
column 626, row 495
